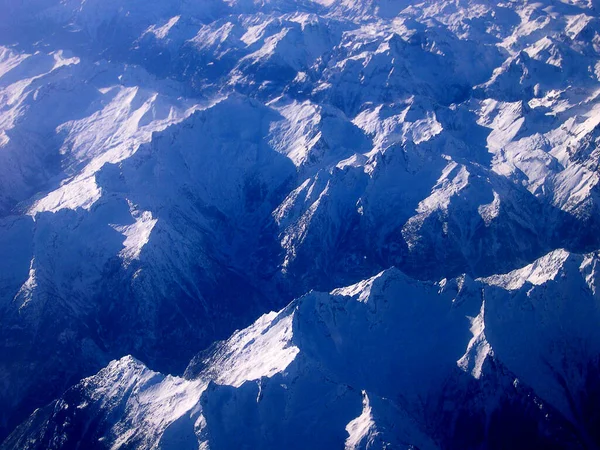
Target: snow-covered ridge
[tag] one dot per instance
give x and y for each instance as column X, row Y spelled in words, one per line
column 313, row 374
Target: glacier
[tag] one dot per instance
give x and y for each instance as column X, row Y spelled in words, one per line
column 411, row 185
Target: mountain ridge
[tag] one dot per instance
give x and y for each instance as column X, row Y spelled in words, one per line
column 299, row 352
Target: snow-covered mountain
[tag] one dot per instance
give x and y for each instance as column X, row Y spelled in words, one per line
column 171, row 171
column 509, row 361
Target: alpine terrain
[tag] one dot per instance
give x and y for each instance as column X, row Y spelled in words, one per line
column 299, row 224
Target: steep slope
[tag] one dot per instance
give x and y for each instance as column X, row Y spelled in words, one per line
column 490, row 363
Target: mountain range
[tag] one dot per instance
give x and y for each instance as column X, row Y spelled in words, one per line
column 273, row 224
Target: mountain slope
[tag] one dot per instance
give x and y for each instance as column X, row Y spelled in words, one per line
column 477, row 364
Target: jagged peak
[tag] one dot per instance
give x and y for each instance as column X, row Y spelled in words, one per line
column 539, row 272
